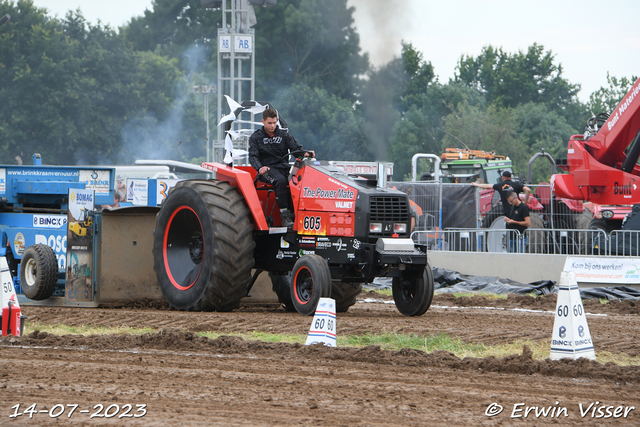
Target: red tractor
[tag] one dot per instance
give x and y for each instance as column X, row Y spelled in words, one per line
column 603, row 164
column 210, row 234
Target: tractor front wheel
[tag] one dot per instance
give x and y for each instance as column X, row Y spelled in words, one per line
column 413, row 291
column 311, row 281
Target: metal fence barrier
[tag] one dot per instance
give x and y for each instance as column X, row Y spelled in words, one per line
column 442, row 206
column 624, row 243
column 532, row 241
column 459, row 217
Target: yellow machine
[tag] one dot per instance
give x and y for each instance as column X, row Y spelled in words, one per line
column 84, row 223
column 466, row 154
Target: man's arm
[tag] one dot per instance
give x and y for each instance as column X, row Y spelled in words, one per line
column 254, row 154
column 527, row 193
column 484, row 186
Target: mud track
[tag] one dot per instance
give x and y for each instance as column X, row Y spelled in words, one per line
column 186, row 379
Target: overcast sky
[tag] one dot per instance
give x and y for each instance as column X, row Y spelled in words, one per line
column 588, row 37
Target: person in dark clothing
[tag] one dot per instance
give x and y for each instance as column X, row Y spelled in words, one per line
column 268, row 147
column 504, row 187
column 518, row 219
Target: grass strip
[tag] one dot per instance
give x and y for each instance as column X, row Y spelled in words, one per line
column 386, row 341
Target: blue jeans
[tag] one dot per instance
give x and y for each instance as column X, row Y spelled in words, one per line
column 517, row 245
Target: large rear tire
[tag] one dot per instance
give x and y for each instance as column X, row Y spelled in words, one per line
column 203, row 246
column 413, row 291
column 311, row 280
column 38, row 272
column 344, row 293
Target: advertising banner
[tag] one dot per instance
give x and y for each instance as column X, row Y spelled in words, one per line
column 80, row 245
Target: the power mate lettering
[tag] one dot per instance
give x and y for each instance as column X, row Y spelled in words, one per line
column 319, row 193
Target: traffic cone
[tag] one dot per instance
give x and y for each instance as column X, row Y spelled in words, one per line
column 323, row 326
column 571, row 337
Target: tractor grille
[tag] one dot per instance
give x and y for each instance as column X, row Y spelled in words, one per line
column 389, row 208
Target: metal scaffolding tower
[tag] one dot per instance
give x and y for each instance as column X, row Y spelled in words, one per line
column 236, row 68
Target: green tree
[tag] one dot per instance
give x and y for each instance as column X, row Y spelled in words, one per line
column 490, row 129
column 323, row 122
column 421, row 130
column 180, row 29
column 605, row 99
column 509, row 80
column 310, row 41
column 418, row 74
column 68, row 87
column 541, row 129
column 389, row 93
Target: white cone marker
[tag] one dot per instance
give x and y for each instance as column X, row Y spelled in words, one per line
column 323, row 327
column 571, row 337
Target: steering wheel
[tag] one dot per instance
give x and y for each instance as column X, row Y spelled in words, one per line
column 293, row 153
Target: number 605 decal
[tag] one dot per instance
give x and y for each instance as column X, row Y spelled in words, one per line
column 311, row 223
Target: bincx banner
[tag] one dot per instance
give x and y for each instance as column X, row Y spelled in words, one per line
column 49, row 221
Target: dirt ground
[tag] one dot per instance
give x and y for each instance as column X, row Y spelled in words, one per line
column 179, row 378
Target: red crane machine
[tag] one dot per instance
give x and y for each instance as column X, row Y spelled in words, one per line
column 603, row 163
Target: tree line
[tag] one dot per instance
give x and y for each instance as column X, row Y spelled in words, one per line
column 86, row 93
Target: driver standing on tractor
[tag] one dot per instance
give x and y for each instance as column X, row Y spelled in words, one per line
column 268, row 147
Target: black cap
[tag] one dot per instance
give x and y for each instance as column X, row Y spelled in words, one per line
column 506, row 174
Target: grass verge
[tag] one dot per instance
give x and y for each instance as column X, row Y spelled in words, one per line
column 386, row 341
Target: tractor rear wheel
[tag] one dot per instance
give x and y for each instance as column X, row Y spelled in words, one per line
column 345, row 294
column 281, row 285
column 413, row 290
column 203, row 246
column 311, row 280
column 38, row 272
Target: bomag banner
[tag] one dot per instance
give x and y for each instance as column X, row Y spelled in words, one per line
column 79, row 277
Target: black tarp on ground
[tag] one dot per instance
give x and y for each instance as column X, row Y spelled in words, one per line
column 452, row 282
